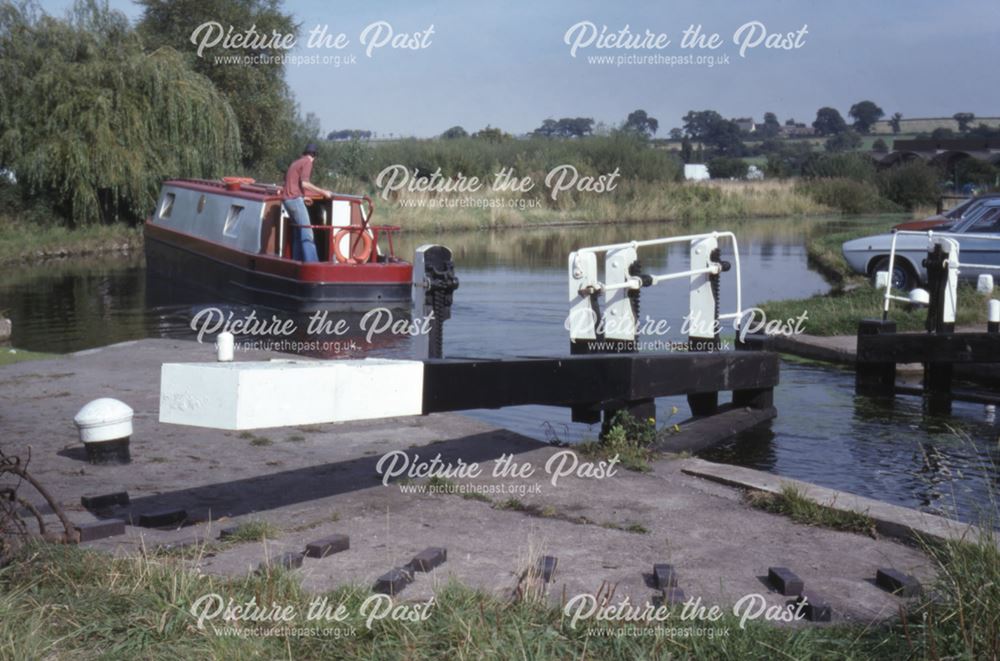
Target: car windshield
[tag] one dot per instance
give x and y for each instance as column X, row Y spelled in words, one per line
column 988, row 222
column 983, row 216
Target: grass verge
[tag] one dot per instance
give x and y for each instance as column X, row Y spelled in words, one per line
column 839, row 312
column 853, row 297
column 791, row 502
column 21, row 242
column 9, row 356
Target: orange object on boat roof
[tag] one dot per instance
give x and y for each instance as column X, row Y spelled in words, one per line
column 235, row 183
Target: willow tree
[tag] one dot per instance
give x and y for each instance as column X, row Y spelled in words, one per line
column 258, row 92
column 93, row 122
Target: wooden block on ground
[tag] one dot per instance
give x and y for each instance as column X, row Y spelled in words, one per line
column 814, row 607
column 785, row 581
column 428, row 559
column 105, row 501
column 328, row 546
column 228, row 531
column 664, row 576
column 547, row 567
column 100, row 529
column 897, row 582
column 393, row 581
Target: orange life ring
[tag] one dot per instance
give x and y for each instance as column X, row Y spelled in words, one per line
column 360, row 248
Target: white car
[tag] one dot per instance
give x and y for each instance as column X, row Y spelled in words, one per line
column 978, row 236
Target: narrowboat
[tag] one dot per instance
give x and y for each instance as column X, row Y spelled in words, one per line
column 233, row 240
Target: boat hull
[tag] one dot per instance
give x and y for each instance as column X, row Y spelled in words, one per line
column 222, row 274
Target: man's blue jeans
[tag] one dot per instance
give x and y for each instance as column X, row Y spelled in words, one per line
column 303, row 244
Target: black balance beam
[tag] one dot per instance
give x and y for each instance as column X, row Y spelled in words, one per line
column 929, row 347
column 600, row 381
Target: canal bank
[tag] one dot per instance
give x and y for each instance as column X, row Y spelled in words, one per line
column 309, row 483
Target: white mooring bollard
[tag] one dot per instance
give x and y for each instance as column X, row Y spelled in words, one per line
column 993, row 316
column 105, row 427
column 224, row 347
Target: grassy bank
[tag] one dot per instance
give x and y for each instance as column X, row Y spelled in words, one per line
column 22, row 241
column 631, row 201
column 853, row 297
column 839, row 312
column 9, row 356
column 65, row 602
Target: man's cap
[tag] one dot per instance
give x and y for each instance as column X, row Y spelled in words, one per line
column 311, row 148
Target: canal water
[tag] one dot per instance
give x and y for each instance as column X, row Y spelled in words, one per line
column 512, row 301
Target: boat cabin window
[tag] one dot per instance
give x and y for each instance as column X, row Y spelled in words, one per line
column 201, row 203
column 167, row 206
column 232, row 226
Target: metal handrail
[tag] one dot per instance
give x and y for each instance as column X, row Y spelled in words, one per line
column 930, row 234
column 376, row 230
column 680, row 274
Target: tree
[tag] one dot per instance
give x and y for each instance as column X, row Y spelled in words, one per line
column 894, row 122
column 257, row 93
column 491, row 134
column 548, row 129
column 709, row 127
column 865, row 114
column 942, row 133
column 639, row 122
column 117, row 120
column 846, row 140
column 349, row 134
column 567, row 127
column 676, row 134
column 311, row 127
column 687, row 150
column 880, row 146
column 829, row 122
column 455, row 132
column 575, row 127
column 963, row 119
column 771, row 127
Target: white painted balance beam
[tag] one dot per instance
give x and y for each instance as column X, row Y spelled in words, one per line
column 281, row 393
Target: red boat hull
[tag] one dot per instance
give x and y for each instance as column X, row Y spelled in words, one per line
column 176, row 258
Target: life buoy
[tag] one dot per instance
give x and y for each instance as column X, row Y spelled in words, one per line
column 345, row 239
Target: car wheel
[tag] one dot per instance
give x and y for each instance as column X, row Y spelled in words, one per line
column 903, row 276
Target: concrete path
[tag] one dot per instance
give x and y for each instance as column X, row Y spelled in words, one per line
column 315, row 481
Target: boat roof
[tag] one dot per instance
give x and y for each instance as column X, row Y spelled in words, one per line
column 260, row 192
column 256, row 191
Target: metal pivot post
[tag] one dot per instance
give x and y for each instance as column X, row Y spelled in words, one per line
column 584, row 311
column 703, row 317
column 624, row 281
column 434, row 282
column 942, row 285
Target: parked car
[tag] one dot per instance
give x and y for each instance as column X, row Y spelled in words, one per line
column 947, row 217
column 870, row 254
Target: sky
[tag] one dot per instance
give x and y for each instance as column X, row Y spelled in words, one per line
column 507, row 64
